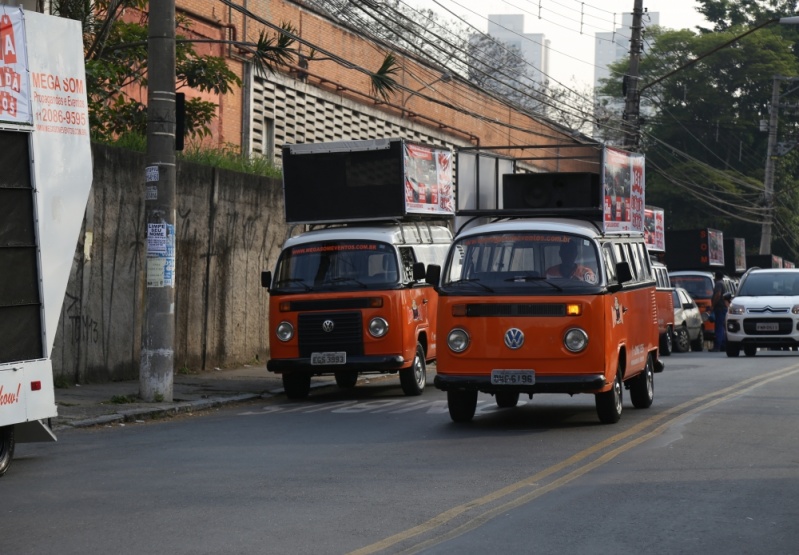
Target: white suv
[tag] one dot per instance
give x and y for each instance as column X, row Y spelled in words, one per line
column 764, row 311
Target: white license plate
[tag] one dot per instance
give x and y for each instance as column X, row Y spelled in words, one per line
column 326, row 359
column 767, row 326
column 512, row 377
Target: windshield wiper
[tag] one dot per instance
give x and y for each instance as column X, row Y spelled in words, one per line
column 474, row 281
column 341, row 279
column 533, row 277
column 294, row 280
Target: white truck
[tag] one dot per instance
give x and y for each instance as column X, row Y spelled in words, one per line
column 45, row 154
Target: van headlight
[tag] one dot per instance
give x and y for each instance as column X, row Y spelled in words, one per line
column 378, row 327
column 458, row 340
column 575, row 340
column 284, row 331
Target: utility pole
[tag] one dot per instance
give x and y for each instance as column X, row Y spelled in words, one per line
column 768, row 179
column 632, row 107
column 156, row 370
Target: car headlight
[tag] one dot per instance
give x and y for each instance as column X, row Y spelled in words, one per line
column 575, row 340
column 284, row 331
column 378, row 327
column 738, row 309
column 458, row 340
column 795, row 309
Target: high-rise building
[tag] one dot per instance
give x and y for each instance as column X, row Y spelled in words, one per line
column 613, row 46
column 534, row 47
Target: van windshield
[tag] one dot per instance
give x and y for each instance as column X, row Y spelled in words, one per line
column 698, row 286
column 337, row 265
column 515, row 261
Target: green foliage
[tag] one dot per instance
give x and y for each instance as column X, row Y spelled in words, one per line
column 383, row 83
column 116, row 53
column 705, row 151
column 124, row 399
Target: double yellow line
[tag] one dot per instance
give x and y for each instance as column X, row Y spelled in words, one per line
column 518, row 493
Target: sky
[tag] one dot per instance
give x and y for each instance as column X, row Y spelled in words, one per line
column 569, row 25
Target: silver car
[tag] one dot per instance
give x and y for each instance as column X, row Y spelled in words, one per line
column 688, row 321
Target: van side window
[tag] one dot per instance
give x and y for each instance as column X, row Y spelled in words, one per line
column 610, row 262
column 636, row 263
column 639, row 250
column 408, row 259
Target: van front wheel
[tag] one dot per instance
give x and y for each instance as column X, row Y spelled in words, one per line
column 414, row 379
column 296, row 386
column 6, row 448
column 462, row 405
column 609, row 403
column 642, row 388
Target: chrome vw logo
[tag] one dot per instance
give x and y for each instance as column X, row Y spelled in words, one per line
column 328, row 325
column 514, row 338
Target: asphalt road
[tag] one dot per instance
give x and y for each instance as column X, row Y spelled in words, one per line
column 711, row 467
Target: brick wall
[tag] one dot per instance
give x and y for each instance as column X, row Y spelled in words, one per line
column 300, row 109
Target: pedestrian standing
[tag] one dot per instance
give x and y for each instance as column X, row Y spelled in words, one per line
column 719, row 305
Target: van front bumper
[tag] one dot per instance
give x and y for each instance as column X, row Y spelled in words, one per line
column 581, row 383
column 361, row 364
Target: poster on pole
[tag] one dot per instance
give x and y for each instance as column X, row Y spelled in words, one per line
column 623, row 197
column 654, row 230
column 428, row 180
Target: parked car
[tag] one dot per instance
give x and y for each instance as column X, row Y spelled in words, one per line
column 699, row 285
column 764, row 312
column 688, row 320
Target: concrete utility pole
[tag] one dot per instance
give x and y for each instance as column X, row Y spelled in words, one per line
column 156, row 370
column 768, row 178
column 632, row 107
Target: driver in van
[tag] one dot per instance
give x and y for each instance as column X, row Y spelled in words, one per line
column 568, row 268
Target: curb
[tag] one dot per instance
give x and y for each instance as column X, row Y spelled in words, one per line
column 161, row 411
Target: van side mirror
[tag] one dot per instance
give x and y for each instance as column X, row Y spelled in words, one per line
column 623, row 272
column 266, row 279
column 433, row 274
column 418, row 271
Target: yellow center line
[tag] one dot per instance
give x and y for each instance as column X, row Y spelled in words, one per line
column 700, row 403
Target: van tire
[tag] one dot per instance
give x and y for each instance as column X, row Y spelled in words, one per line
column 642, row 388
column 609, row 403
column 666, row 345
column 462, row 404
column 507, row 399
column 414, row 379
column 296, row 386
column 6, row 448
column 346, row 380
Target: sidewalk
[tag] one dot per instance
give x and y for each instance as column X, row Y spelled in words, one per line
column 117, row 402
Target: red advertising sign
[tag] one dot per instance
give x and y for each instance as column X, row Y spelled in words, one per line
column 428, row 180
column 654, row 228
column 624, row 184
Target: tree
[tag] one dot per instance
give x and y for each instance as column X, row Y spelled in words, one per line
column 705, row 152
column 117, row 59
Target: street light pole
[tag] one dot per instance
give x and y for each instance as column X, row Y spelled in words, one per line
column 156, row 367
column 632, row 104
column 768, row 178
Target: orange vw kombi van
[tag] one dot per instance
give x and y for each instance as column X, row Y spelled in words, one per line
column 348, row 294
column 530, row 303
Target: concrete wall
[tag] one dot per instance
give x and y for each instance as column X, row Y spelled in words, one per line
column 230, row 227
